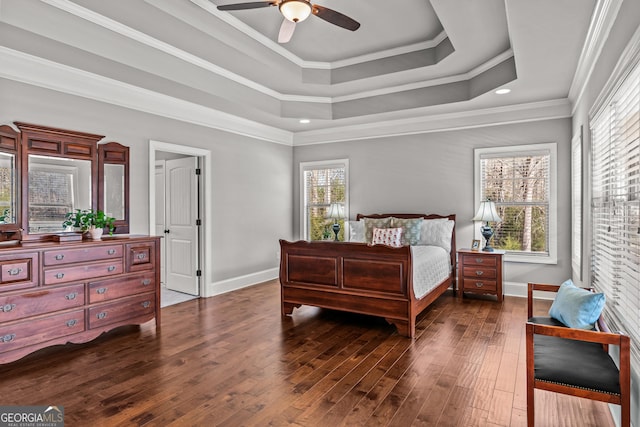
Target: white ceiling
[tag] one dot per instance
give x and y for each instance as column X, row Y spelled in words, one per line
column 410, row 60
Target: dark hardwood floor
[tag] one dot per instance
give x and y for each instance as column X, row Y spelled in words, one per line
column 231, row 360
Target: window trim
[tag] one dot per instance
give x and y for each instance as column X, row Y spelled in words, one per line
column 320, row 164
column 552, row 147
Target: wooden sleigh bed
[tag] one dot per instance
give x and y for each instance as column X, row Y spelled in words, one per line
column 369, row 279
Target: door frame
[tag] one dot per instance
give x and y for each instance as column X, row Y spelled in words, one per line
column 206, row 264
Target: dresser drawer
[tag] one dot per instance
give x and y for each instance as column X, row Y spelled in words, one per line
column 68, row 256
column 122, row 286
column 122, row 310
column 140, row 256
column 18, row 272
column 57, row 275
column 479, row 272
column 46, row 300
column 479, row 285
column 480, row 260
column 22, row 334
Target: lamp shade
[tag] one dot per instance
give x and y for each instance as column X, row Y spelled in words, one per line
column 487, row 212
column 295, row 10
column 336, row 211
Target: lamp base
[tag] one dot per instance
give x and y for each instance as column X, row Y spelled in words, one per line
column 487, row 233
column 336, row 230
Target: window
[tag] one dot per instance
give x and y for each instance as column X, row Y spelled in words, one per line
column 521, row 180
column 323, row 183
column 615, row 205
column 576, row 204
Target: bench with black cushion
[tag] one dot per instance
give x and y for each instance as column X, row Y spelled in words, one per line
column 575, row 361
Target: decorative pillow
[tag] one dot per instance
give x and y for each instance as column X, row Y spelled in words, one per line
column 356, row 231
column 371, row 223
column 410, row 229
column 387, row 236
column 437, row 232
column 577, row 307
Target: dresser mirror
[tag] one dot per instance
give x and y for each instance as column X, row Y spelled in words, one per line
column 57, row 185
column 47, row 172
column 9, row 183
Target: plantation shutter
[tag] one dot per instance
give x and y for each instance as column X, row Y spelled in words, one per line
column 616, row 207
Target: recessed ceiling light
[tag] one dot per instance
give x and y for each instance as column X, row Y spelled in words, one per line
column 503, row 91
column 305, row 121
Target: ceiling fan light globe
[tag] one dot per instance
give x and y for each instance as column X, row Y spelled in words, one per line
column 295, row 10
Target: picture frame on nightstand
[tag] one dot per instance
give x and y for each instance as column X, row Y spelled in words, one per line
column 475, row 245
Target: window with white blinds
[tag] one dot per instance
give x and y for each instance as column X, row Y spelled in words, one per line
column 323, row 184
column 521, row 182
column 576, row 205
column 615, row 206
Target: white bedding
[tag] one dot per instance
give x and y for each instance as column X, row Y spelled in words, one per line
column 431, row 265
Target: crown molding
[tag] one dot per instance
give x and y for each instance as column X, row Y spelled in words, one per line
column 495, row 116
column 21, row 67
column 602, row 20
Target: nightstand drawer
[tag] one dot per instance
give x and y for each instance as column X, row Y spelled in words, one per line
column 479, row 272
column 479, row 285
column 482, row 260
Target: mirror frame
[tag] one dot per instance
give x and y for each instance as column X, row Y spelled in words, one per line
column 10, row 143
column 46, row 141
column 113, row 153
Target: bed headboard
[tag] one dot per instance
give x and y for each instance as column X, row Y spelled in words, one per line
column 425, row 216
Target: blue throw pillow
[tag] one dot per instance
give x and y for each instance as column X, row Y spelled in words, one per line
column 576, row 307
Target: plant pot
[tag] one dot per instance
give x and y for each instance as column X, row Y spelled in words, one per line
column 95, row 233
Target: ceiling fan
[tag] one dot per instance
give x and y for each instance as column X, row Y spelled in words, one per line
column 295, row 11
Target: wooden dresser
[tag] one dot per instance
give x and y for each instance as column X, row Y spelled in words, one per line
column 57, row 293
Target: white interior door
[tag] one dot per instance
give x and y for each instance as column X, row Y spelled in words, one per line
column 181, row 230
column 159, row 210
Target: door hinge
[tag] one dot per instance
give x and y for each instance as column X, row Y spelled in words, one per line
column 198, row 222
column 198, row 171
column 198, row 273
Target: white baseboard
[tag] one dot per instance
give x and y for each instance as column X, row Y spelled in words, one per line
column 235, row 283
column 516, row 289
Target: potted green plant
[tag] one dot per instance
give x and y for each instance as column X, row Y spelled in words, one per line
column 90, row 221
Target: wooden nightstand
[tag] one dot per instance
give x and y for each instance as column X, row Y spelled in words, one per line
column 480, row 272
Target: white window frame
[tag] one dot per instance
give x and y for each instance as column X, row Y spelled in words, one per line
column 321, row 164
column 552, row 256
column 576, row 204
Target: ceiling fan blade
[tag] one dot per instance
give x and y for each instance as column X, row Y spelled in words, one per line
column 286, row 31
column 335, row 18
column 250, row 5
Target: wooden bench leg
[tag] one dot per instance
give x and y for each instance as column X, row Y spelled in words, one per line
column 530, row 378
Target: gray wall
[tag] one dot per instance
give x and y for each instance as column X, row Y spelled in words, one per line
column 251, row 179
column 433, row 173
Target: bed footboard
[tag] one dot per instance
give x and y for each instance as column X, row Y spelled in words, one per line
column 352, row 277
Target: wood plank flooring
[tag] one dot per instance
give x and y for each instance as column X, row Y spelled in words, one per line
column 231, row 360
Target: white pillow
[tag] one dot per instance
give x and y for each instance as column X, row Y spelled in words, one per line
column 387, row 236
column 437, row 232
column 356, row 231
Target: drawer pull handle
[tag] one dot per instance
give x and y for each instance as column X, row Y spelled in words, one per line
column 101, row 315
column 7, row 338
column 59, row 257
column 146, row 304
column 15, row 271
column 479, row 260
column 7, row 308
column 479, row 272
column 71, row 296
column 141, row 256
column 111, row 268
column 59, row 275
column 71, row 323
column 479, row 284
column 111, row 251
column 101, row 290
column 146, row 282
